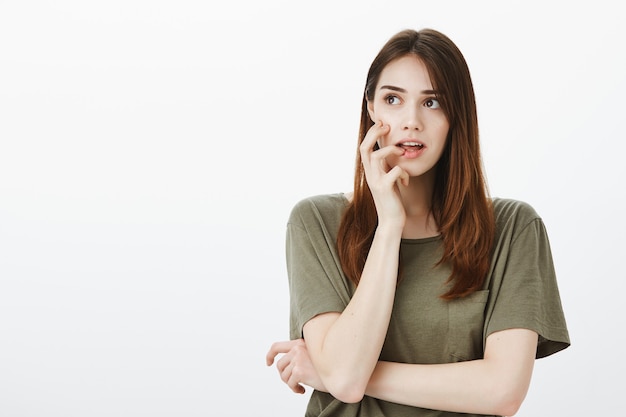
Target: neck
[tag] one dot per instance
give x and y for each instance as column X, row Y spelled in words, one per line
column 417, row 200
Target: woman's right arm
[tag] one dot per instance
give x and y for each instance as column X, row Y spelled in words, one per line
column 493, row 385
column 345, row 347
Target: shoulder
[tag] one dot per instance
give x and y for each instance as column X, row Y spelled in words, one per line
column 513, row 215
column 506, row 208
column 318, row 208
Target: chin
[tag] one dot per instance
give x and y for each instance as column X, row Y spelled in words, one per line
column 415, row 172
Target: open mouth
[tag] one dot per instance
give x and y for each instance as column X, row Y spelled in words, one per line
column 414, row 146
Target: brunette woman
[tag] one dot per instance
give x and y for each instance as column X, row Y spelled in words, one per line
column 418, row 294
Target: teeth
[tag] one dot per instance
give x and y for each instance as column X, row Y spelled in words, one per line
column 419, row 145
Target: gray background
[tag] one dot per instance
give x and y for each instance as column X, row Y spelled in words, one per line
column 150, row 152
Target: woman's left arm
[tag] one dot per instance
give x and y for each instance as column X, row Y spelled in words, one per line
column 496, row 384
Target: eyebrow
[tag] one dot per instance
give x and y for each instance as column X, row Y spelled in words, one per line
column 402, row 90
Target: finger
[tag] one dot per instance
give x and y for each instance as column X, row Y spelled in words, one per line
column 290, row 378
column 283, row 362
column 385, row 152
column 296, row 387
column 285, row 368
column 294, row 380
column 278, row 348
column 399, row 175
column 296, row 350
column 378, row 165
column 377, row 131
column 405, row 178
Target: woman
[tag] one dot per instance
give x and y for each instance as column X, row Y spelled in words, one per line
column 417, row 294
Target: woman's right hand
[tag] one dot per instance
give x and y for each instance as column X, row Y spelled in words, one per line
column 382, row 179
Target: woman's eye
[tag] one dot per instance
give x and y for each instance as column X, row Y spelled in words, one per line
column 392, row 100
column 432, row 103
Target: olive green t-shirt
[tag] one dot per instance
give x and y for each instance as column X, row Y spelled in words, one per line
column 520, row 292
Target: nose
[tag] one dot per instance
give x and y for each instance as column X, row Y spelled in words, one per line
column 412, row 119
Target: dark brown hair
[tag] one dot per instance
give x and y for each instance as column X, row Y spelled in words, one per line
column 460, row 203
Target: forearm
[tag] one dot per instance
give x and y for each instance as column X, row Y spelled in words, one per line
column 494, row 385
column 348, row 352
column 460, row 387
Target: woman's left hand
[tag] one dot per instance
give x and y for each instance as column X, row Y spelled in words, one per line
column 295, row 366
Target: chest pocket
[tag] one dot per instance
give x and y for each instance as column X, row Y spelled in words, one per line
column 466, row 318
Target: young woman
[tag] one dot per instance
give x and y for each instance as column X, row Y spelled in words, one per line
column 417, row 294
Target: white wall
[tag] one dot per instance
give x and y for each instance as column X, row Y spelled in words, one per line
column 150, row 152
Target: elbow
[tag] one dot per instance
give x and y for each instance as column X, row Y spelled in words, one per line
column 346, row 391
column 348, row 398
column 508, row 408
column 508, row 400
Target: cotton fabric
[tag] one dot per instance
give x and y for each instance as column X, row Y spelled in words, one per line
column 520, row 291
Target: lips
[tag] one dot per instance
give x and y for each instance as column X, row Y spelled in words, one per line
column 410, row 145
column 413, row 148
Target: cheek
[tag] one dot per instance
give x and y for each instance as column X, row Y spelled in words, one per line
column 443, row 131
column 390, row 120
column 388, row 138
column 442, row 127
column 443, row 120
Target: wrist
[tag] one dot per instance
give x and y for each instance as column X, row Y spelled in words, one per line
column 390, row 228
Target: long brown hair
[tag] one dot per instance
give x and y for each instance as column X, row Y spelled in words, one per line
column 460, row 204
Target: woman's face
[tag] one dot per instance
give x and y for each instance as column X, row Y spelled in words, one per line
column 405, row 100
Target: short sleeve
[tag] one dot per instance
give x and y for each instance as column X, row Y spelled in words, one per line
column 524, row 291
column 316, row 282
